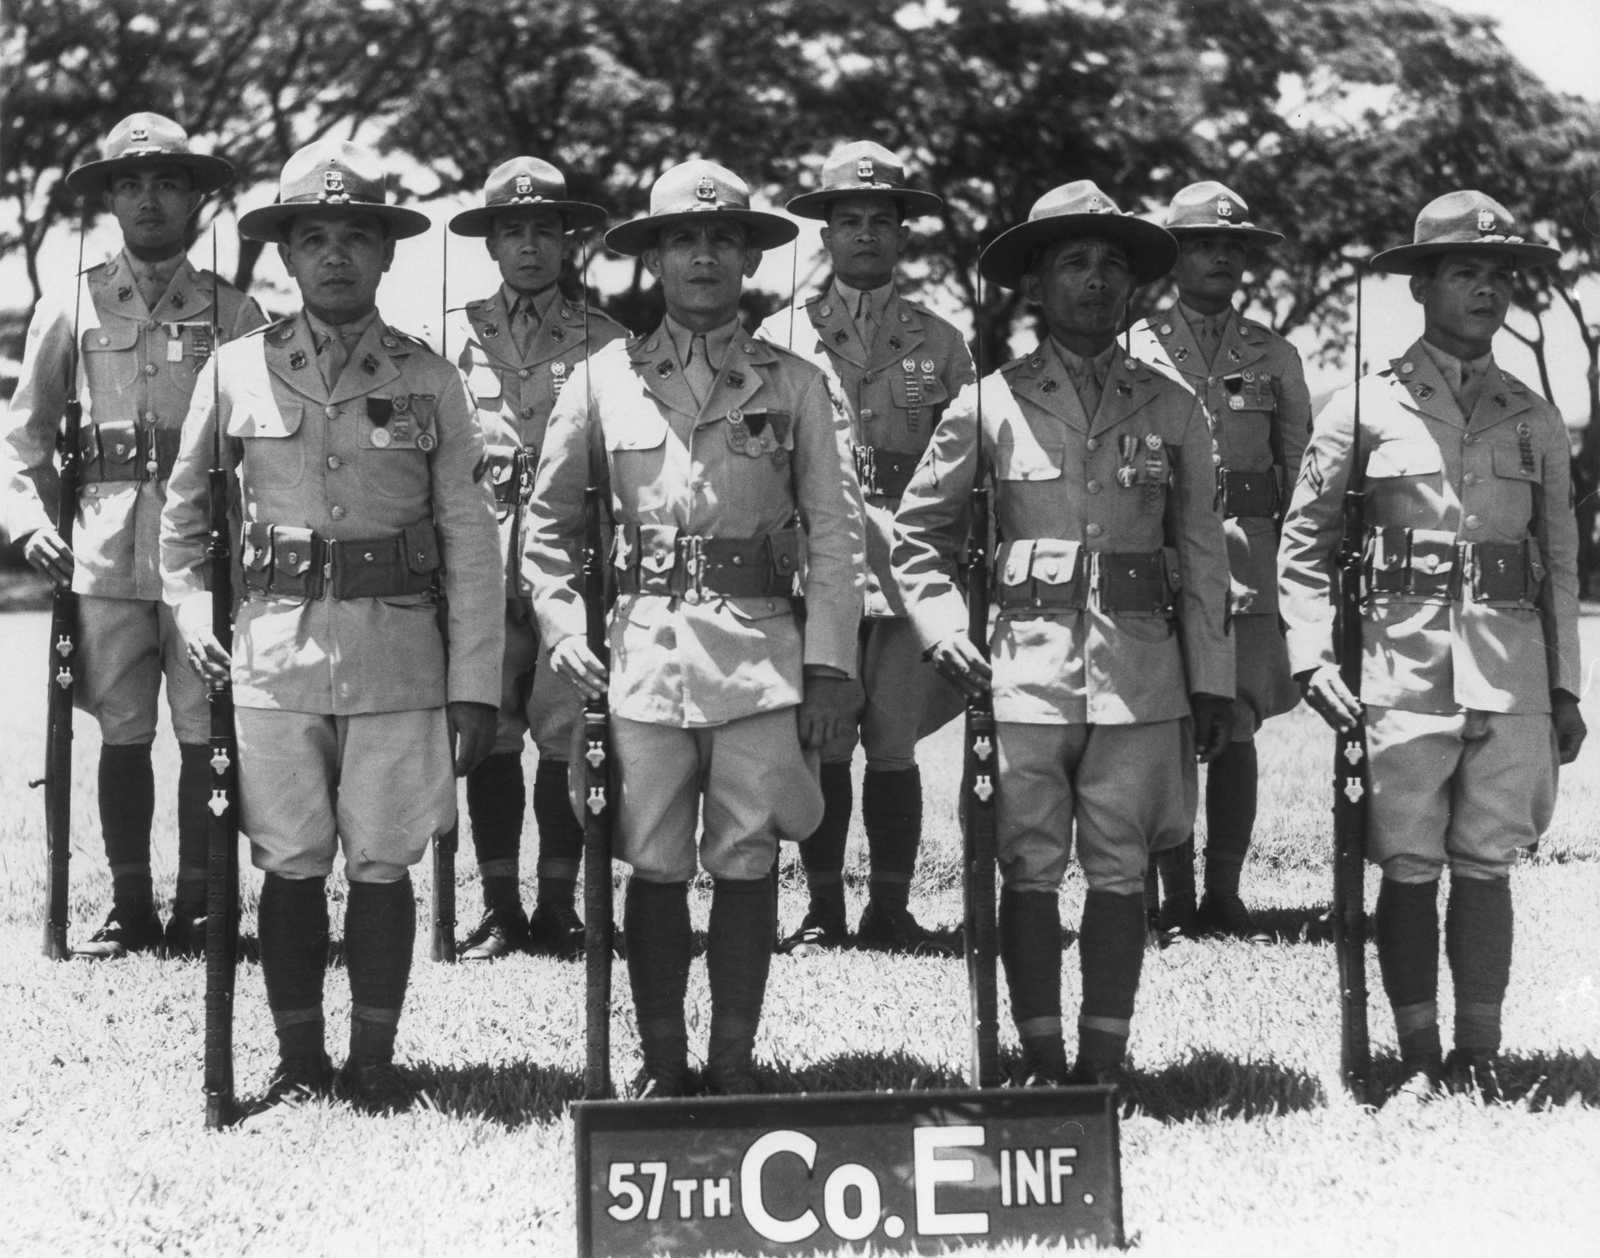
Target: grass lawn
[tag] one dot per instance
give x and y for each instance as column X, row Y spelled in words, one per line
column 1239, row 1141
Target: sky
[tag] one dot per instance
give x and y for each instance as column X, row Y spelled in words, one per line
column 1557, row 39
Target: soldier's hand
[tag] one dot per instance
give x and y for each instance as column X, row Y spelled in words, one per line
column 47, row 553
column 1569, row 725
column 1210, row 725
column 572, row 659
column 831, row 705
column 960, row 660
column 471, row 733
column 207, row 656
column 1326, row 694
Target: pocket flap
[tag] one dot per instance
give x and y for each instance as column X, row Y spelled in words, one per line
column 645, row 429
column 1028, row 460
column 110, row 338
column 264, row 418
column 1404, row 458
column 422, row 547
column 1510, row 464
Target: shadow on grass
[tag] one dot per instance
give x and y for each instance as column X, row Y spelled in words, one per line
column 1535, row 1081
column 862, row 1072
column 1212, row 1085
column 1299, row 925
column 510, row 1094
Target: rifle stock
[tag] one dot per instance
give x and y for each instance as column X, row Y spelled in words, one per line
column 597, row 816
column 979, row 781
column 445, row 847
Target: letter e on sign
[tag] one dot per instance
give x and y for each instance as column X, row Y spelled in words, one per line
column 931, row 1170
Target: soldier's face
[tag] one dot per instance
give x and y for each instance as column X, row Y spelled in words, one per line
column 1209, row 267
column 529, row 246
column 864, row 238
column 1464, row 301
column 1081, row 288
column 702, row 267
column 337, row 260
column 153, row 206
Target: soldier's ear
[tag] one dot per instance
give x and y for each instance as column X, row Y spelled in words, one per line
column 388, row 252
column 752, row 262
column 1031, row 290
column 1419, row 288
column 903, row 236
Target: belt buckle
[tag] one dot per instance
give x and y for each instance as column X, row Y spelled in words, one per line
column 867, row 468
column 692, row 558
column 522, row 463
column 323, row 568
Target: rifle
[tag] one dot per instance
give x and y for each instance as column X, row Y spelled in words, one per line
column 979, row 778
column 222, row 832
column 1350, row 785
column 61, row 668
column 447, row 844
column 597, row 818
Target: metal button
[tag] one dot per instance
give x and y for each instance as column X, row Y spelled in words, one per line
column 149, row 369
column 523, row 373
column 334, row 462
column 336, row 512
column 866, row 413
column 1094, row 530
column 332, row 412
column 1471, row 478
column 1093, row 486
column 1092, row 444
column 1472, row 521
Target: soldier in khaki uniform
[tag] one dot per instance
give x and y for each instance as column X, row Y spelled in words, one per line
column 1110, row 663
column 898, row 365
column 146, row 320
column 1470, row 626
column 517, row 349
column 728, row 476
column 360, row 470
column 1254, row 391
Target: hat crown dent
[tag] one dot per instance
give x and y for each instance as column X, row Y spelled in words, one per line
column 523, row 181
column 698, row 185
column 1465, row 216
column 1209, row 204
column 1081, row 196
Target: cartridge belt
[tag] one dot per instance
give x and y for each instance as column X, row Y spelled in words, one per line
column 291, row 562
column 1432, row 564
column 1249, row 494
column 659, row 559
column 884, row 473
column 1051, row 574
column 128, row 451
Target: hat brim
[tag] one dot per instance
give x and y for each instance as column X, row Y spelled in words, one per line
column 767, row 231
column 207, row 173
column 1151, row 250
column 269, row 221
column 1262, row 237
column 580, row 216
column 1406, row 259
column 914, row 203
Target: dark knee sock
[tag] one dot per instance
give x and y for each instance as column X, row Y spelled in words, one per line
column 655, row 919
column 1176, row 867
column 738, row 956
column 1230, row 815
column 293, row 930
column 1030, row 952
column 1110, row 955
column 891, row 813
column 380, row 931
column 1408, row 955
column 496, row 798
column 127, row 797
column 560, row 833
column 822, row 853
column 1478, row 929
column 194, row 827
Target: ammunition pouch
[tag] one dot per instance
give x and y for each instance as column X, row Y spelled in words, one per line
column 658, row 559
column 287, row 562
column 126, row 451
column 884, row 473
column 511, row 475
column 1049, row 575
column 1249, row 494
column 1431, row 565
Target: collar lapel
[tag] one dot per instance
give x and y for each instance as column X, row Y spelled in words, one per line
column 655, row 362
column 1127, row 389
column 1238, row 348
column 115, row 290
column 369, row 366
column 836, row 329
column 1419, row 376
column 738, row 379
column 560, row 332
column 185, row 298
column 1043, row 382
column 1502, row 397
column 292, row 357
column 491, row 325
column 900, row 333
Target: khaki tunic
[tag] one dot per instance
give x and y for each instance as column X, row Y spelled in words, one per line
column 1502, row 475
column 306, row 457
column 136, row 372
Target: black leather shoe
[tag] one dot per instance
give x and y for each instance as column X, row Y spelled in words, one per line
column 1467, row 1072
column 186, row 932
column 123, row 932
column 377, row 1087
column 1224, row 913
column 1042, row 1065
column 1419, row 1082
column 556, row 929
column 659, row 1083
column 1177, row 917
column 730, row 1078
column 501, row 930
column 893, row 929
column 296, row 1080
column 820, row 930
column 1103, row 1073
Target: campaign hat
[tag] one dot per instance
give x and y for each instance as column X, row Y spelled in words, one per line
column 862, row 168
column 1078, row 209
column 147, row 139
column 1209, row 208
column 691, row 189
column 332, row 176
column 526, row 183
column 1466, row 221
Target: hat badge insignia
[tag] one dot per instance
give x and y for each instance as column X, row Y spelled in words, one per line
column 705, row 190
column 333, row 188
column 1098, row 204
column 1224, row 208
column 524, row 185
column 139, row 135
column 1486, row 222
column 865, row 171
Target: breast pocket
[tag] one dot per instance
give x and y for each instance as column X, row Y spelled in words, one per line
column 1394, row 460
column 1029, row 461
column 111, row 358
column 487, row 388
column 1516, row 472
column 395, row 435
column 760, row 448
column 636, row 450
column 274, row 456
